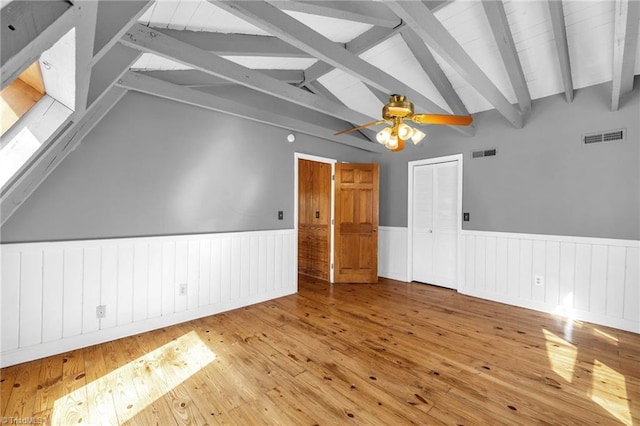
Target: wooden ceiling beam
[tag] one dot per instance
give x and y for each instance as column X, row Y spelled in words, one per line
column 382, row 96
column 367, row 12
column 420, row 19
column 85, row 37
column 196, row 78
column 115, row 17
column 236, row 44
column 494, row 9
column 433, row 70
column 149, row 40
column 278, row 23
column 28, row 28
column 625, row 46
column 320, row 90
column 356, row 46
column 163, row 89
column 562, row 47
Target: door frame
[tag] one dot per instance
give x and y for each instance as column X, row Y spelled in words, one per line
column 411, row 165
column 302, row 156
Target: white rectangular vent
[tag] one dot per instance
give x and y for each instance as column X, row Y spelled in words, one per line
column 612, row 135
column 484, row 153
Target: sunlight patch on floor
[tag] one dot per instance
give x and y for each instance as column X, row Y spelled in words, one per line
column 136, row 385
column 606, row 336
column 562, row 355
column 605, row 379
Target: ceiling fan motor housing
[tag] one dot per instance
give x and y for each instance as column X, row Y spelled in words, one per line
column 398, row 107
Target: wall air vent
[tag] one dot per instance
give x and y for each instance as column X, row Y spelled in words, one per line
column 609, row 136
column 484, row 153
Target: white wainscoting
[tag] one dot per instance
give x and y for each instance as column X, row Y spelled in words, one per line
column 50, row 291
column 590, row 279
column 392, row 252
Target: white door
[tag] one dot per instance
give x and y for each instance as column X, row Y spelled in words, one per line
column 435, row 223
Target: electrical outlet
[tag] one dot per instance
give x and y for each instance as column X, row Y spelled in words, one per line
column 182, row 290
column 538, row 280
column 101, row 311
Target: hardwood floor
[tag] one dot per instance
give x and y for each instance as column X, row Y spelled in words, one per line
column 388, row 353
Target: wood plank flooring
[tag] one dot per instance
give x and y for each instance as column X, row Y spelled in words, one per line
column 384, row 354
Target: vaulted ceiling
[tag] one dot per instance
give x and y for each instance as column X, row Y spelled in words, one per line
column 339, row 58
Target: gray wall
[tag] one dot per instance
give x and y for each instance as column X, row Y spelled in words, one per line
column 543, row 180
column 158, row 167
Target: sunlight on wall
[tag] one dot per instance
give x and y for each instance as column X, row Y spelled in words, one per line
column 16, row 153
column 140, row 383
column 566, row 308
column 606, row 379
column 562, row 355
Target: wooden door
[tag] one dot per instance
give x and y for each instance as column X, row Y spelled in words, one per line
column 314, row 218
column 435, row 225
column 356, row 228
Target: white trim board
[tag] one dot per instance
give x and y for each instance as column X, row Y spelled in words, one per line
column 392, row 252
column 589, row 279
column 50, row 291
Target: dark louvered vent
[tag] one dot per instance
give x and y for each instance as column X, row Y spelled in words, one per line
column 612, row 135
column 484, row 153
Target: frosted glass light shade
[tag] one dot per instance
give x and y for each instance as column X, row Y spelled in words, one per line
column 417, row 136
column 392, row 143
column 383, row 135
column 405, row 132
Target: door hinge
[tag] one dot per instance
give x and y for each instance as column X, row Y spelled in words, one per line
column 332, row 266
column 332, row 221
column 333, row 177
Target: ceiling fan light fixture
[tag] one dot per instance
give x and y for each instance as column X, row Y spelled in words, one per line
column 417, row 136
column 398, row 107
column 383, row 135
column 405, row 132
column 392, row 142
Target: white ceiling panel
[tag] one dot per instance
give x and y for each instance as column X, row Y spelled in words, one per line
column 337, row 30
column 394, row 57
column 151, row 62
column 468, row 24
column 353, row 93
column 590, row 38
column 274, row 63
column 195, row 15
column 183, row 13
column 532, row 33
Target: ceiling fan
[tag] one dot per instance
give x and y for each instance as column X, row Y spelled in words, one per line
column 399, row 109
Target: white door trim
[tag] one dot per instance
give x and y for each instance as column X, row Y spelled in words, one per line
column 411, row 165
column 301, row 156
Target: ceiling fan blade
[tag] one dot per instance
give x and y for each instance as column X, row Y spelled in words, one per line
column 456, row 120
column 373, row 123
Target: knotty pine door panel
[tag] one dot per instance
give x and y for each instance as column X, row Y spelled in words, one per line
column 314, row 218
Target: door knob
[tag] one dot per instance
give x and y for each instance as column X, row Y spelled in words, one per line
column 430, row 231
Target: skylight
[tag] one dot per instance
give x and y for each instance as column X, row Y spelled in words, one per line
column 20, row 96
column 35, row 105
